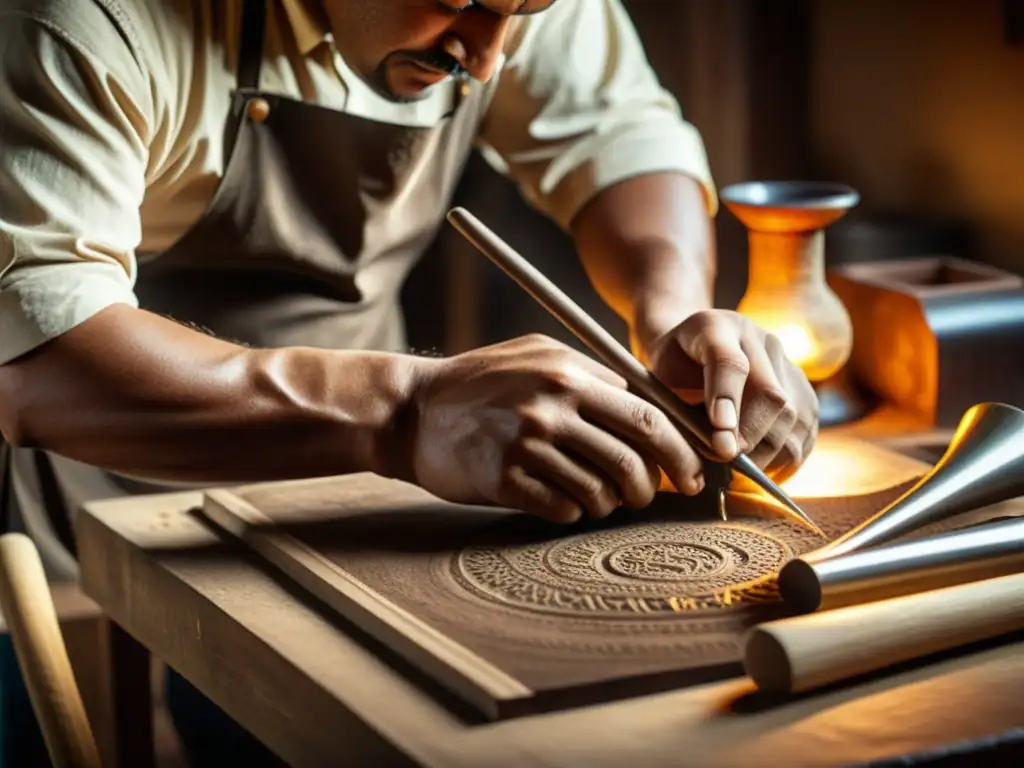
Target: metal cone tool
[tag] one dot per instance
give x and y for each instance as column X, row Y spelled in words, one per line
column 983, row 465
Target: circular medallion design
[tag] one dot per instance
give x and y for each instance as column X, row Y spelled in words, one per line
column 669, row 561
column 661, row 568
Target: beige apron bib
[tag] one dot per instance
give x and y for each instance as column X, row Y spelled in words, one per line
column 306, row 241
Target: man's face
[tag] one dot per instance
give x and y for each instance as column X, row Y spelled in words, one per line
column 402, row 47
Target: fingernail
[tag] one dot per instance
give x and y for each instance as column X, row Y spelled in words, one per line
column 725, row 444
column 454, row 48
column 572, row 516
column 698, row 484
column 724, row 413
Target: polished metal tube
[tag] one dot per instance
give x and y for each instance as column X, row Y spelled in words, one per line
column 982, row 551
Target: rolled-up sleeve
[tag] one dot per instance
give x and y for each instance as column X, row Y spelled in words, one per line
column 73, row 155
column 578, row 108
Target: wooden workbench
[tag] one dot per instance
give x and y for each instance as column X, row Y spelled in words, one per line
column 317, row 694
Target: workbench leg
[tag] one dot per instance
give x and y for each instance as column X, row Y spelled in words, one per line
column 132, row 701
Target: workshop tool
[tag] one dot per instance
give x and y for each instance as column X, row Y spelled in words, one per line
column 983, row 465
column 801, row 653
column 691, row 420
column 980, row 551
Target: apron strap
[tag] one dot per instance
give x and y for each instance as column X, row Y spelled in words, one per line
column 250, row 51
column 250, row 62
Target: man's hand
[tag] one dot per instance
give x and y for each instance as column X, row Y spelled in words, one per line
column 759, row 402
column 531, row 424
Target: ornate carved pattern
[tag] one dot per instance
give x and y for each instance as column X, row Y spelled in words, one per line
column 631, row 603
column 658, row 568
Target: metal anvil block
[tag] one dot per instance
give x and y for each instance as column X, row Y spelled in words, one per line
column 935, row 335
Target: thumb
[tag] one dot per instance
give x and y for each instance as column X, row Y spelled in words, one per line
column 717, row 347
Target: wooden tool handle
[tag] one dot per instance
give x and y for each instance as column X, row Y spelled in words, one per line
column 691, row 419
column 42, row 656
column 806, row 652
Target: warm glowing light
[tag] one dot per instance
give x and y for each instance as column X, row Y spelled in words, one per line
column 799, row 346
column 843, row 466
column 829, row 471
column 811, row 323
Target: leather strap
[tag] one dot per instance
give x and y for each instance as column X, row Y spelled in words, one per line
column 250, row 51
column 250, row 63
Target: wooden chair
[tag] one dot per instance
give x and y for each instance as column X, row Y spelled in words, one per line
column 31, row 615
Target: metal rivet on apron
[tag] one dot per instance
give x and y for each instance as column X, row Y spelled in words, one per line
column 259, row 110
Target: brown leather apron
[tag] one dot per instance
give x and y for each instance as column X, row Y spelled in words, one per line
column 299, row 245
column 309, row 236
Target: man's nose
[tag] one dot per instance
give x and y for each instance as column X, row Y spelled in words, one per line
column 476, row 43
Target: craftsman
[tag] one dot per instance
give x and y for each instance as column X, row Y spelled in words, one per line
column 208, row 209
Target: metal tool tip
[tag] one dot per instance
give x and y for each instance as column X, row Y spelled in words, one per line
column 783, row 498
column 747, row 467
column 803, row 517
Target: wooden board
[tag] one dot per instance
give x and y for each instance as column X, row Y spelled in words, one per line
column 516, row 616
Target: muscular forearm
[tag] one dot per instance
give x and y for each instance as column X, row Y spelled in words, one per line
column 648, row 247
column 133, row 392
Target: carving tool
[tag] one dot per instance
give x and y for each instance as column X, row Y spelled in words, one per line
column 691, row 420
column 802, row 653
